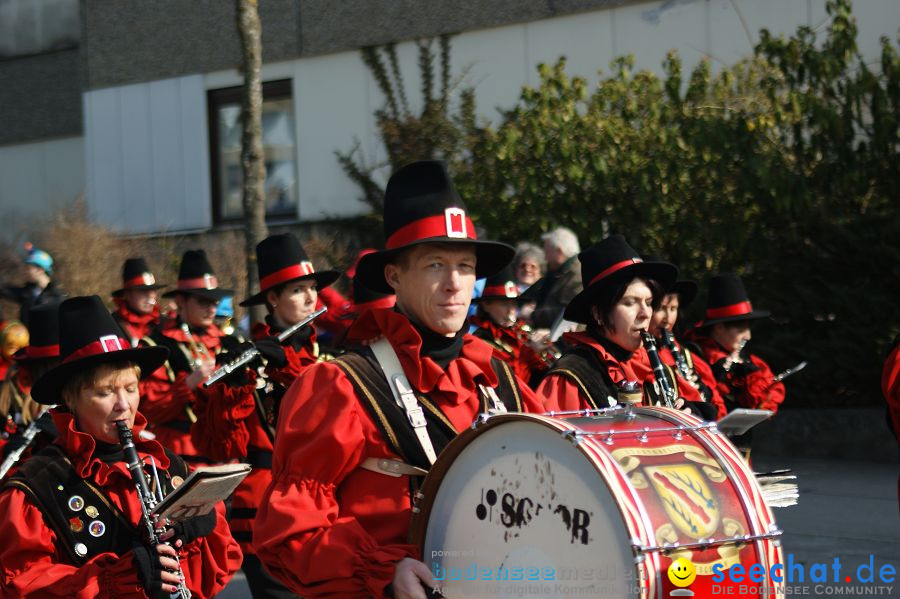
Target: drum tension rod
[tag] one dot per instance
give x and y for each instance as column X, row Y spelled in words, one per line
column 736, row 540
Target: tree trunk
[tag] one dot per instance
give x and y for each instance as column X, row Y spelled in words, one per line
column 252, row 157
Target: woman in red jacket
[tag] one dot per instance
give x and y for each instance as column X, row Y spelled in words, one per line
column 70, row 518
column 620, row 295
column 744, row 380
column 236, row 420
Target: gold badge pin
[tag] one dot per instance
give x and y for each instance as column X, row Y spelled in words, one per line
column 91, row 511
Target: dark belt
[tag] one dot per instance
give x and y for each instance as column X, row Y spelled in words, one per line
column 259, row 458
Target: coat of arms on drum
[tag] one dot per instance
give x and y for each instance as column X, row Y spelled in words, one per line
column 686, row 497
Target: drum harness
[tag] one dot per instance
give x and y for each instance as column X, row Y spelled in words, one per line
column 406, row 399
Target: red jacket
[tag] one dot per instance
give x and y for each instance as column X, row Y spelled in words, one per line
column 755, row 389
column 228, row 428
column 509, row 347
column 136, row 326
column 325, row 526
column 559, row 389
column 32, row 566
column 166, row 400
column 334, row 320
column 890, row 387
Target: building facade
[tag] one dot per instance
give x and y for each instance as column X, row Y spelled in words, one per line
column 134, row 104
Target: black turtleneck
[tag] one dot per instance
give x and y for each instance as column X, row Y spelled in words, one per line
column 619, row 353
column 440, row 348
column 108, row 453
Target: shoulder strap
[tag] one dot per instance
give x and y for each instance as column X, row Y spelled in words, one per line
column 403, row 394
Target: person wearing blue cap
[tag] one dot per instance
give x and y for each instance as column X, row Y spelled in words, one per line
column 39, row 288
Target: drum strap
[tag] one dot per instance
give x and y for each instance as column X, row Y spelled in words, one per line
column 403, row 394
column 581, row 366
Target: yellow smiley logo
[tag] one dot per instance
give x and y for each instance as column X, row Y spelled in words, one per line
column 682, row 572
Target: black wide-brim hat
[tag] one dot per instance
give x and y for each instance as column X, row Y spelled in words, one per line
column 685, row 289
column 43, row 339
column 281, row 259
column 501, row 286
column 421, row 205
column 728, row 301
column 610, row 262
column 196, row 277
column 136, row 275
column 89, row 337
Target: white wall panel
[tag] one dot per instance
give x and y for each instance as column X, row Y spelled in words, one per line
column 147, row 159
column 38, row 178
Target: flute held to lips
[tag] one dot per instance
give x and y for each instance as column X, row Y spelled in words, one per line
column 247, row 356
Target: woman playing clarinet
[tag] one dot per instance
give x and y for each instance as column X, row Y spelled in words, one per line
column 71, row 517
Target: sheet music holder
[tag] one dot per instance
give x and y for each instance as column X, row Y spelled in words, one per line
column 201, row 491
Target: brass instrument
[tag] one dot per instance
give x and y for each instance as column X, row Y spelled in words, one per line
column 199, row 353
column 549, row 354
column 146, row 497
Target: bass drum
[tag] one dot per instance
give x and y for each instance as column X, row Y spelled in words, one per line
column 594, row 504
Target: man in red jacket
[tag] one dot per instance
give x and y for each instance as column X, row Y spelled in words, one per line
column 334, row 520
column 137, row 309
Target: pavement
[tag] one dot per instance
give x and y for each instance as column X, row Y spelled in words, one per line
column 847, row 510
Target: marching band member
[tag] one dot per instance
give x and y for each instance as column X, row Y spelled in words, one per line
column 497, row 323
column 621, row 292
column 744, row 380
column 193, row 340
column 334, row 521
column 137, row 310
column 71, row 518
column 237, row 419
column 17, row 406
column 696, row 379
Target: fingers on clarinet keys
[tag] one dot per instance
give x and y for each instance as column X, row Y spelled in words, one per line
column 157, row 569
column 271, row 349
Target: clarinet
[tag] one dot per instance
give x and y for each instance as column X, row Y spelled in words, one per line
column 29, row 436
column 148, row 501
column 668, row 341
column 659, row 371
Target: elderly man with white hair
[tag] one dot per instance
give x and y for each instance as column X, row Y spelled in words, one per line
column 562, row 281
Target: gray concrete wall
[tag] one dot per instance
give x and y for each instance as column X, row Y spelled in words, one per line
column 41, row 97
column 853, row 434
column 36, row 26
column 131, row 41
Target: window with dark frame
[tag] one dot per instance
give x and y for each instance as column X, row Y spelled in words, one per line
column 279, row 146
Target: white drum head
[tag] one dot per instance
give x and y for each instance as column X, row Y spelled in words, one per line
column 521, row 511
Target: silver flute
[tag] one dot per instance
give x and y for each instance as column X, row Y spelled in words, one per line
column 251, row 353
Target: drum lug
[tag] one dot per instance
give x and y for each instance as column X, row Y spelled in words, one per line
column 574, row 437
column 417, row 497
column 643, row 436
column 679, row 434
column 608, row 440
column 481, row 419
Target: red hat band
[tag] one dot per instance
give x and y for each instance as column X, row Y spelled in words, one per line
column 454, row 223
column 207, row 281
column 145, row 279
column 739, row 309
column 294, row 271
column 508, row 289
column 614, row 269
column 42, row 351
column 104, row 345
